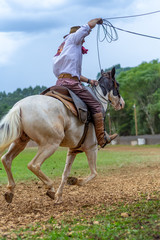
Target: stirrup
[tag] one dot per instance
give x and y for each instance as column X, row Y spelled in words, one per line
column 109, row 138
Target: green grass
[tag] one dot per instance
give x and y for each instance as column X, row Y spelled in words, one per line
column 54, row 165
column 141, row 222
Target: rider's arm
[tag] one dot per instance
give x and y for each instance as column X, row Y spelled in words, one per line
column 89, row 81
column 80, row 34
column 84, row 31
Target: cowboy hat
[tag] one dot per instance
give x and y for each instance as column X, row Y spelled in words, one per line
column 72, row 30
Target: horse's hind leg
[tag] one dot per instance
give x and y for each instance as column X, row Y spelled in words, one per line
column 43, row 153
column 14, row 149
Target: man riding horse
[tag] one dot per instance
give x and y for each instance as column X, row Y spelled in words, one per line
column 67, row 68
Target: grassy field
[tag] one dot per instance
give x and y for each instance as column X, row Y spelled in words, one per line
column 133, row 221
column 54, row 165
column 138, row 221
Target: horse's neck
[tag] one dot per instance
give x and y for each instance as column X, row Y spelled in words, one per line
column 103, row 99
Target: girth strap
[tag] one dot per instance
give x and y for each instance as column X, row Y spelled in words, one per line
column 86, row 126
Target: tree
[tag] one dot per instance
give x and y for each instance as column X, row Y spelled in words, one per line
column 8, row 100
column 140, row 86
column 118, row 68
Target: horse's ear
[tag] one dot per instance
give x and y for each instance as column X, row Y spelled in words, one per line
column 113, row 71
column 102, row 71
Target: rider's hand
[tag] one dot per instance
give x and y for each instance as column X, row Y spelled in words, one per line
column 93, row 82
column 100, row 21
column 92, row 23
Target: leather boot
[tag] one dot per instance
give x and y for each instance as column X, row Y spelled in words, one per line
column 103, row 137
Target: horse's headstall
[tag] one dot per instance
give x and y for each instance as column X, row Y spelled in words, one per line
column 109, row 76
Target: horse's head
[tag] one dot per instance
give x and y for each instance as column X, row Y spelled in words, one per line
column 110, row 88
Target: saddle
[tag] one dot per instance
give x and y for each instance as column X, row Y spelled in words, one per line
column 74, row 104
column 70, row 100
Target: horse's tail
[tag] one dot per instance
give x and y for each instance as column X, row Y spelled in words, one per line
column 10, row 128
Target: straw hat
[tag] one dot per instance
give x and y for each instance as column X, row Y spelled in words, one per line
column 72, row 30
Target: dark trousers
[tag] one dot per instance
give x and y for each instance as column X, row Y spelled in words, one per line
column 93, row 104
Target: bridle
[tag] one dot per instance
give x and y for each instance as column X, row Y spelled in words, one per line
column 102, row 97
column 116, row 87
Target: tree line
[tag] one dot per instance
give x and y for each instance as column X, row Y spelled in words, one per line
column 140, row 88
column 8, row 100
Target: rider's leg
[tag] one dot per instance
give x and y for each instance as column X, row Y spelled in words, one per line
column 96, row 110
column 95, row 107
column 102, row 136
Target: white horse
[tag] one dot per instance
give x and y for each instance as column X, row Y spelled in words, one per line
column 50, row 124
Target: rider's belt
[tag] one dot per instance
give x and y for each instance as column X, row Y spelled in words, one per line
column 66, row 75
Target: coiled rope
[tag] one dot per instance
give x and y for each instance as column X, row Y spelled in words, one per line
column 109, row 34
column 110, row 31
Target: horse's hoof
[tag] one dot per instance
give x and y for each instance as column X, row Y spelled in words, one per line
column 72, row 180
column 58, row 202
column 50, row 194
column 8, row 197
column 80, row 182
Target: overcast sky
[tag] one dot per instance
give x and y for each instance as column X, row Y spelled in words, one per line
column 32, row 30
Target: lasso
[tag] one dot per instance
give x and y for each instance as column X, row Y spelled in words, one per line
column 110, row 32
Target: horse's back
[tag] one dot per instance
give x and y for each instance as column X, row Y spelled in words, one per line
column 39, row 101
column 47, row 119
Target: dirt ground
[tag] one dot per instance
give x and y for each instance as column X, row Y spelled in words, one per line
column 127, row 184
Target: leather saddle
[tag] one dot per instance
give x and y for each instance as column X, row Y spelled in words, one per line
column 70, row 100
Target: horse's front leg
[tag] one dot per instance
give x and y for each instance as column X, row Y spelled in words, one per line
column 69, row 160
column 92, row 157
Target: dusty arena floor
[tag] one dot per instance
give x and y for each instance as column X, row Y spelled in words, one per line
column 30, row 203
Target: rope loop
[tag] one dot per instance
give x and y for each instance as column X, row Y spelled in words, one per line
column 109, row 34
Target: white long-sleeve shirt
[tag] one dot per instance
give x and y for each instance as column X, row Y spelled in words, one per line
column 69, row 55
